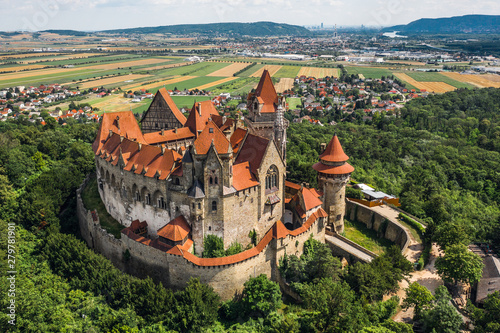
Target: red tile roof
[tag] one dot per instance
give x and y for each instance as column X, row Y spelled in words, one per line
column 334, row 151
column 237, row 138
column 343, row 169
column 243, row 177
column 199, row 116
column 175, row 110
column 176, row 230
column 292, row 185
column 266, row 93
column 155, row 138
column 210, row 134
column 310, row 200
column 121, row 123
column 252, row 150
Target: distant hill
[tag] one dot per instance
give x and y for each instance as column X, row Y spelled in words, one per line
column 241, row 29
column 66, row 32
column 468, row 24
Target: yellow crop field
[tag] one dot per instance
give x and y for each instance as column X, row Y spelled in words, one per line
column 479, row 80
column 27, row 55
column 215, row 83
column 40, row 72
column 229, row 70
column 318, row 72
column 111, row 80
column 437, row 87
column 160, row 83
column 284, row 84
column 126, row 64
column 65, row 57
column 271, row 68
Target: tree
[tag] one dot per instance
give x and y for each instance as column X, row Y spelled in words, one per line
column 448, row 234
column 261, row 295
column 213, row 247
column 442, row 317
column 418, row 296
column 486, row 319
column 459, row 265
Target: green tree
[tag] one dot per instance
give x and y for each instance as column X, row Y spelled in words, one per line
column 459, row 265
column 442, row 317
column 213, row 247
column 418, row 296
column 261, row 295
column 447, row 234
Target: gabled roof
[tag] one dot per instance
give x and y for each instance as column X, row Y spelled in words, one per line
column 196, row 191
column 147, row 160
column 121, row 123
column 243, row 177
column 175, row 110
column 266, row 93
column 237, row 138
column 252, row 150
column 334, row 151
column 210, row 134
column 168, row 136
column 176, row 230
column 199, row 116
column 310, row 199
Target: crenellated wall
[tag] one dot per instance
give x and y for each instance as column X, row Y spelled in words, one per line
column 226, row 276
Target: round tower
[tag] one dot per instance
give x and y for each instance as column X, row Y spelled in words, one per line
column 333, row 174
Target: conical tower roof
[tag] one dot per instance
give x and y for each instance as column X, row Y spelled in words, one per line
column 334, row 151
column 266, row 93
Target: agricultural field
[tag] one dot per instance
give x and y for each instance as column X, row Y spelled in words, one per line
column 229, row 70
column 368, row 72
column 437, row 77
column 216, row 83
column 273, row 69
column 318, row 72
column 294, row 102
column 478, row 80
column 288, row 71
column 111, row 81
column 284, row 84
column 437, row 87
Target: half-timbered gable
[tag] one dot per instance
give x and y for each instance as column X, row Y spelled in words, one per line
column 162, row 114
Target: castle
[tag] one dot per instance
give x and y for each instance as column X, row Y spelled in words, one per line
column 180, row 179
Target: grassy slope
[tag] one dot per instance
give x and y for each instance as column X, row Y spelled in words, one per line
column 359, row 233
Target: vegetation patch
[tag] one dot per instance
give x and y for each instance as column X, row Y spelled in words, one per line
column 92, row 201
column 367, row 238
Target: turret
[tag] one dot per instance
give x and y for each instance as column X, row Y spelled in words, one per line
column 333, row 174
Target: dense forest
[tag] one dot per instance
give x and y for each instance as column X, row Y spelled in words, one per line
column 61, row 285
column 440, row 156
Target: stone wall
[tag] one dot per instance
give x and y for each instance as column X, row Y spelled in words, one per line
column 373, row 220
column 175, row 271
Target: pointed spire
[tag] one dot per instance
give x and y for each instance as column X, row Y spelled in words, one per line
column 334, row 151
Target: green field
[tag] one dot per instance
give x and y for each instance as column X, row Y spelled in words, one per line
column 287, row 71
column 236, row 87
column 368, row 72
column 188, row 84
column 188, row 101
column 294, row 103
column 367, row 238
column 251, row 70
column 437, row 77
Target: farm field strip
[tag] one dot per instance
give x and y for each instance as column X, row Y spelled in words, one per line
column 287, row 71
column 158, row 67
column 273, row 69
column 61, row 57
column 158, row 84
column 478, row 80
column 438, row 87
column 26, row 55
column 229, row 70
column 368, row 72
column 284, row 84
column 21, row 68
column 318, row 72
column 437, row 77
column 215, row 83
column 127, row 64
column 107, row 81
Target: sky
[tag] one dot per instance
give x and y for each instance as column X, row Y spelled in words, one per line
column 94, row 15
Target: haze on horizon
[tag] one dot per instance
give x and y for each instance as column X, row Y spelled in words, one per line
column 94, row 15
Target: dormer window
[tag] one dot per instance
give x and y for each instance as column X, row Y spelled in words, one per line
column 210, row 130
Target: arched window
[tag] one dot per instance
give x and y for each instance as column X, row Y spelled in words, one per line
column 211, row 181
column 147, row 198
column 272, row 178
column 176, row 181
column 161, row 203
column 214, row 206
column 137, row 196
column 216, row 181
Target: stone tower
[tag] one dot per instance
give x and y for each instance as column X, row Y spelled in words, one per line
column 266, row 113
column 333, row 174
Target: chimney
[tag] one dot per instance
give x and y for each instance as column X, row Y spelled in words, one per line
column 163, row 149
column 140, row 146
column 121, row 138
column 110, row 133
column 118, row 122
column 162, row 131
column 175, row 130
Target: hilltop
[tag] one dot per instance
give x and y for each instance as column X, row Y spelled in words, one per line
column 469, row 24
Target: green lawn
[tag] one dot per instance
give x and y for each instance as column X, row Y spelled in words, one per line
column 236, row 87
column 92, row 201
column 287, row 71
column 188, row 101
column 413, row 231
column 294, row 103
column 367, row 238
column 368, row 72
column 437, row 77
